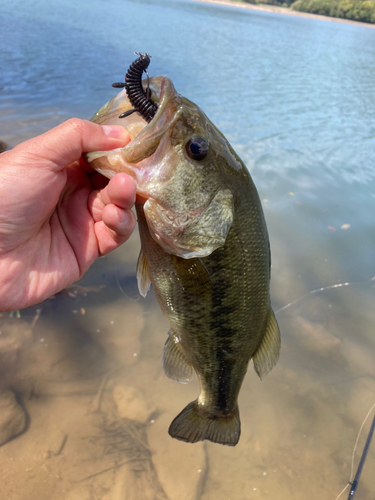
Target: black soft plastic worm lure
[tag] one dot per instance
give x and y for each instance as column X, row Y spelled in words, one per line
column 140, row 100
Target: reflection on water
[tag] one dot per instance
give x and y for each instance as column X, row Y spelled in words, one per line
column 82, row 392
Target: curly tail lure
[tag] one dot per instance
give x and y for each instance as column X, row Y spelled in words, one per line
column 140, row 100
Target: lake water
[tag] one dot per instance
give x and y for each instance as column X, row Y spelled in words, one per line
column 296, row 99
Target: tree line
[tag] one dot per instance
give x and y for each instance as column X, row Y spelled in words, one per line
column 355, row 10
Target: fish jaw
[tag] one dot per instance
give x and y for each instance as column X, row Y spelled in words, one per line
column 137, row 158
column 157, row 160
column 109, row 113
column 110, row 163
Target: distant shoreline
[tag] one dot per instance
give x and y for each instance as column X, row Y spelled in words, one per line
column 285, row 11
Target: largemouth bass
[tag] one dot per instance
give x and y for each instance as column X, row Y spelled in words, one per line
column 204, row 248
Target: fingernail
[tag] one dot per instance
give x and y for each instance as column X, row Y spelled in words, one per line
column 122, row 218
column 124, row 224
column 115, row 131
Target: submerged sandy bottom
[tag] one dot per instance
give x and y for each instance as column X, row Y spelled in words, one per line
column 85, row 368
column 84, row 404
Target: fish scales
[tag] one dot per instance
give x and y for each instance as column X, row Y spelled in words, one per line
column 218, row 328
column 205, row 250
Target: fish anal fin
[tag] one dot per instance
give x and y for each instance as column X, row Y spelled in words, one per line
column 268, row 352
column 143, row 275
column 194, row 424
column 175, row 364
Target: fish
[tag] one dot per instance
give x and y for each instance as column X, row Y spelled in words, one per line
column 205, row 250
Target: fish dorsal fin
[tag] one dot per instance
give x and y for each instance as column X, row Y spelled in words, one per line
column 175, row 364
column 143, row 275
column 268, row 352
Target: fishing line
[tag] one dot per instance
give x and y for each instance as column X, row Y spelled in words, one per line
column 128, row 55
column 343, row 491
column 128, row 51
column 137, row 297
column 354, row 483
column 330, row 287
column 205, row 268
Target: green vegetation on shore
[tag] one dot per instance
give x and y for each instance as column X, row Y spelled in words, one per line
column 355, row 10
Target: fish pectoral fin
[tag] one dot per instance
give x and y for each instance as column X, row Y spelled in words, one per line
column 195, row 424
column 268, row 352
column 175, row 364
column 143, row 275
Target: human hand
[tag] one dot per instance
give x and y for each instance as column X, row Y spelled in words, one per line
column 54, row 222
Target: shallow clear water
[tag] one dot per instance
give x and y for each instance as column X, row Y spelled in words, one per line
column 296, row 99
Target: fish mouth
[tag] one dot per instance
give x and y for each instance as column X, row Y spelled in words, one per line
column 147, row 141
column 135, row 158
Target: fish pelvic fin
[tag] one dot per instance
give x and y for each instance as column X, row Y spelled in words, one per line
column 143, row 275
column 175, row 364
column 195, row 424
column 268, row 352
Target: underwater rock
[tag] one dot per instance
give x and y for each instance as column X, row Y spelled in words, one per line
column 12, row 417
column 130, row 404
column 9, row 351
column 15, row 339
column 3, row 146
column 176, row 462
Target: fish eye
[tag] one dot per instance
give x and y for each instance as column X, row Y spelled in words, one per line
column 197, row 148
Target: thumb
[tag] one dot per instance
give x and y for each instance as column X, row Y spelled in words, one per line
column 65, row 143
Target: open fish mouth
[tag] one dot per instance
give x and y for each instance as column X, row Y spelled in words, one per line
column 146, row 137
column 186, row 215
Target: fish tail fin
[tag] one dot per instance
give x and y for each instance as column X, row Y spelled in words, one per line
column 195, row 424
